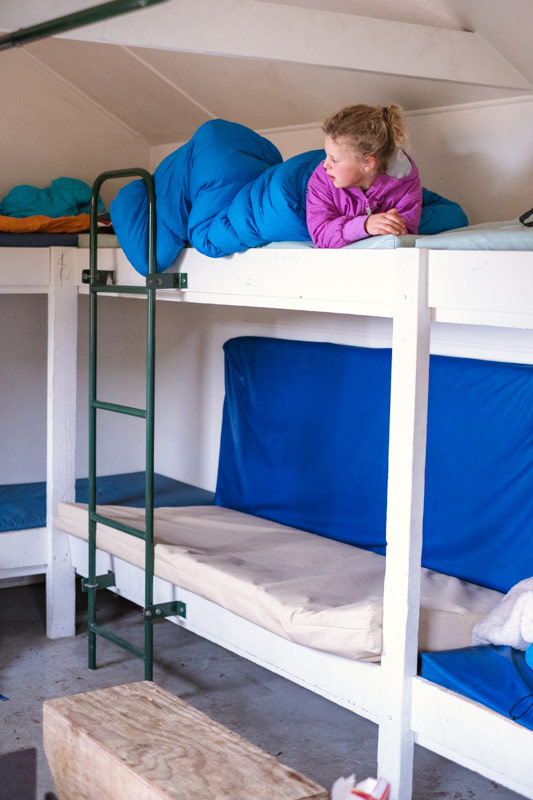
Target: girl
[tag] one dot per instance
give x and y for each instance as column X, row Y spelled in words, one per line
column 367, row 185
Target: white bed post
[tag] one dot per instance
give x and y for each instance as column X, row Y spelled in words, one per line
column 61, row 438
column 405, row 504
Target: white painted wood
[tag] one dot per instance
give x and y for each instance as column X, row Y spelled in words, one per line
column 348, row 683
column 472, row 735
column 24, row 269
column 491, row 288
column 61, row 438
column 303, row 279
column 23, row 552
column 483, row 281
column 261, row 30
column 405, row 506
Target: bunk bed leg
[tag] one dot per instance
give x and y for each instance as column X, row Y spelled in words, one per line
column 61, row 439
column 405, row 504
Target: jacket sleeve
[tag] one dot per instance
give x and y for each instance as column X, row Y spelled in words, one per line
column 326, row 226
column 409, row 205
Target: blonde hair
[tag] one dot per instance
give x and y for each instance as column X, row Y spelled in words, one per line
column 370, row 130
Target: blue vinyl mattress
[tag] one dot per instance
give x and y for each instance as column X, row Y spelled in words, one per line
column 23, row 505
column 496, row 676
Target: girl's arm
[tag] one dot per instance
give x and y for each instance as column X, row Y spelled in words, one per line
column 410, row 206
column 398, row 214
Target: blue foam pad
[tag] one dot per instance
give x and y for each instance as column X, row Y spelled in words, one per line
column 38, row 239
column 23, row 505
column 498, row 677
column 305, row 440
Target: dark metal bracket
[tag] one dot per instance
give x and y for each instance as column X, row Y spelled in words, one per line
column 168, row 280
column 100, row 582
column 160, row 610
column 104, row 277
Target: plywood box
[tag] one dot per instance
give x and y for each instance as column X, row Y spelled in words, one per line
column 139, row 742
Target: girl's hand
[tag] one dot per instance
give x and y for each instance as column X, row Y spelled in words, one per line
column 386, row 222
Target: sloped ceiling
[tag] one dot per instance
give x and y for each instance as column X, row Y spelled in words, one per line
column 166, row 69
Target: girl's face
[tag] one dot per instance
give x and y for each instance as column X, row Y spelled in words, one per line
column 345, row 169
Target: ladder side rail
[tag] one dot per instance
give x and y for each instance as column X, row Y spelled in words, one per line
column 92, row 583
column 150, row 437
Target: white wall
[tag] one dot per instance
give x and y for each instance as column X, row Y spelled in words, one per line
column 480, row 155
column 48, row 130
column 23, row 388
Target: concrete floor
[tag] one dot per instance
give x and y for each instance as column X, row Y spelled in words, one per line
column 303, row 730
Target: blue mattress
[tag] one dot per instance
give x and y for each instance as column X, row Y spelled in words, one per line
column 305, row 443
column 23, row 505
column 497, row 677
column 38, row 239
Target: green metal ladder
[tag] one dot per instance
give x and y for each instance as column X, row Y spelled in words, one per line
column 99, row 283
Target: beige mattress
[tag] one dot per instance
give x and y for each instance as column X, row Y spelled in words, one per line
column 311, row 590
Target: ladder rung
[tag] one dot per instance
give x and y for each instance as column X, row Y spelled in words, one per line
column 112, row 523
column 119, row 409
column 118, row 640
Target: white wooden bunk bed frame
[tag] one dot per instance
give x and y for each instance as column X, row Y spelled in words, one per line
column 413, row 287
column 34, row 551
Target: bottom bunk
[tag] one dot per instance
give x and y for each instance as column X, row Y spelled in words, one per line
column 287, row 567
column 23, row 532
column 451, row 725
column 349, row 683
column 312, row 590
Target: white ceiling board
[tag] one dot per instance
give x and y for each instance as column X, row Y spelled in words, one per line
column 164, row 96
column 505, row 24
column 440, row 13
column 280, row 32
column 114, row 79
column 264, row 94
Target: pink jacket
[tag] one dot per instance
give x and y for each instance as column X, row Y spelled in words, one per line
column 336, row 217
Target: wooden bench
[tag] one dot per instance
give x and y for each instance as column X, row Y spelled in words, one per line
column 139, row 742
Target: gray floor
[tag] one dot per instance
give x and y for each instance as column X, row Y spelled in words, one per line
column 304, row 731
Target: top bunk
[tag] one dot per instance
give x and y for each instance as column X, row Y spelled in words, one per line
column 478, row 275
column 234, row 227
column 488, row 287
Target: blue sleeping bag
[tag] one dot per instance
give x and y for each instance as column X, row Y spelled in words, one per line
column 228, row 189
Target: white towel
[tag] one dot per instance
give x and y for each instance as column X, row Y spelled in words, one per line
column 511, row 621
